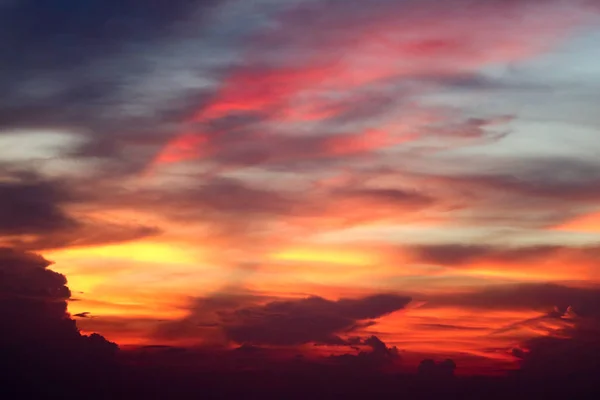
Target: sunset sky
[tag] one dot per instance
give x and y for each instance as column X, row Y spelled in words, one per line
column 420, row 170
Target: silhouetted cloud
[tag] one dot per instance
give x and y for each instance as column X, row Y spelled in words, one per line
column 429, row 369
column 313, row 319
column 281, row 322
column 38, row 339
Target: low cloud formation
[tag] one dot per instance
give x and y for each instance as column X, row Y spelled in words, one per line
column 429, row 369
column 282, row 322
column 314, row 319
column 567, row 327
column 39, row 341
column 571, row 346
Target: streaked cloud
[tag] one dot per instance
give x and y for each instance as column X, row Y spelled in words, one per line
column 267, row 173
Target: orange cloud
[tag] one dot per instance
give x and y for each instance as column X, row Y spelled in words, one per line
column 584, row 223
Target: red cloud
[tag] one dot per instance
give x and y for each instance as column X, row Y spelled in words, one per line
column 292, row 74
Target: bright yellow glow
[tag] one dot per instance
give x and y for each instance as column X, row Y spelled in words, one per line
column 141, row 251
column 325, row 256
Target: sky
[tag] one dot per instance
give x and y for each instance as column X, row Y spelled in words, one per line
column 303, row 175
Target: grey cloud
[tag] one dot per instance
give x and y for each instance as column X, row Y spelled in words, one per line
column 459, row 255
column 33, row 206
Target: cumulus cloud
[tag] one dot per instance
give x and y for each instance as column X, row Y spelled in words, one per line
column 39, row 340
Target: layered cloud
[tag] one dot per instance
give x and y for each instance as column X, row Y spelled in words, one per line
column 315, row 154
column 34, row 215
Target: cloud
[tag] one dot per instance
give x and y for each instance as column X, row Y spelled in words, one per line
column 554, row 334
column 429, row 369
column 284, row 322
column 270, row 98
column 570, row 345
column 575, row 180
column 34, row 216
column 132, row 80
column 379, row 356
column 545, row 262
column 543, row 297
column 302, row 321
column 382, row 196
column 520, row 191
column 459, row 255
column 288, row 76
column 94, row 70
column 38, row 339
column 238, row 111
column 32, row 206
